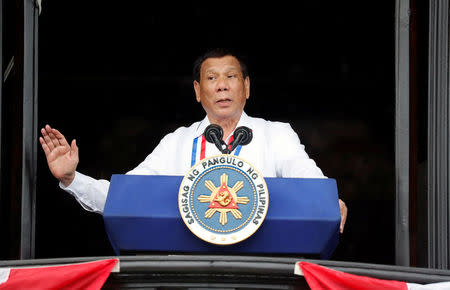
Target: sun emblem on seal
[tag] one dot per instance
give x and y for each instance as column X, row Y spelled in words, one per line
column 223, row 199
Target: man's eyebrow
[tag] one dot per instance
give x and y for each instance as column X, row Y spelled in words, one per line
column 230, row 68
column 211, row 70
column 227, row 69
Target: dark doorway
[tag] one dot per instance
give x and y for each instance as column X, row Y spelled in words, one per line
column 118, row 78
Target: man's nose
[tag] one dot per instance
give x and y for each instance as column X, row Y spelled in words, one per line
column 222, row 84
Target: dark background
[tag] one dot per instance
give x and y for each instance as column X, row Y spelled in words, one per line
column 117, row 77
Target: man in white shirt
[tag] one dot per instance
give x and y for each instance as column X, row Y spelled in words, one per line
column 222, row 86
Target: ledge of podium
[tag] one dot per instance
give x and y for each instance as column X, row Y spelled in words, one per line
column 141, row 215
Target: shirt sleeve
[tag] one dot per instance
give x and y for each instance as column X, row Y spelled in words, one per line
column 291, row 157
column 89, row 192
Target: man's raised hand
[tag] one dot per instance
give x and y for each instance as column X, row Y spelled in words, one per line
column 62, row 158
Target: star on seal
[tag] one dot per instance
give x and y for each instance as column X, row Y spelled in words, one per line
column 223, row 199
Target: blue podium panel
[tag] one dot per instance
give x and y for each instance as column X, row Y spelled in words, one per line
column 141, row 214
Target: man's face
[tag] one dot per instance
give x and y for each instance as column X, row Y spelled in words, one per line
column 222, row 89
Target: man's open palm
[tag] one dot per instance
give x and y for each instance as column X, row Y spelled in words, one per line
column 62, row 158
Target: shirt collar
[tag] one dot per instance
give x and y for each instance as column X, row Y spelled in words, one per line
column 244, row 120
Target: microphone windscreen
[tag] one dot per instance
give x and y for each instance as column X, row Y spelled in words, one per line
column 211, row 130
column 246, row 135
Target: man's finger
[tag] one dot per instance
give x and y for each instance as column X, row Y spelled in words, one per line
column 54, row 139
column 74, row 148
column 44, row 146
column 51, row 137
column 47, row 129
column 344, row 211
column 47, row 140
column 62, row 140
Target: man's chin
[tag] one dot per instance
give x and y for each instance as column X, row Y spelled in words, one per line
column 227, row 113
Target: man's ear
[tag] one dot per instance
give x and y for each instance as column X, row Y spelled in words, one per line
column 247, row 87
column 197, row 90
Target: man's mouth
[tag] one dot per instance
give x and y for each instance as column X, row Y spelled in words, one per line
column 224, row 101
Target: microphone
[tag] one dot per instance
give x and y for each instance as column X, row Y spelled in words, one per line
column 214, row 134
column 242, row 136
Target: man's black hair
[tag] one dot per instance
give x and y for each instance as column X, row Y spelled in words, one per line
column 218, row 53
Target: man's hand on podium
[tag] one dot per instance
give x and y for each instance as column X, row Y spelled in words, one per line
column 344, row 211
column 62, row 158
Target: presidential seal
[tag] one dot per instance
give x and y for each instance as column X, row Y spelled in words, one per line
column 223, row 199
